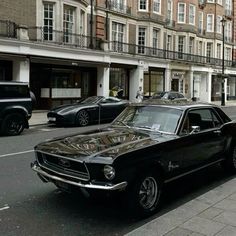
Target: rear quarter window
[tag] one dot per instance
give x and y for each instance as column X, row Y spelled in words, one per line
column 14, row 91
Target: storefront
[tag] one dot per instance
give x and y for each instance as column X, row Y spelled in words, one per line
column 154, row 81
column 179, row 83
column 55, row 85
column 231, row 88
column 119, row 82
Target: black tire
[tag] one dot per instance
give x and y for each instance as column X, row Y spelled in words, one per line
column 230, row 163
column 82, row 118
column 143, row 198
column 13, row 124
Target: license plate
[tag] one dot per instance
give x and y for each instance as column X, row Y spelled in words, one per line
column 52, row 118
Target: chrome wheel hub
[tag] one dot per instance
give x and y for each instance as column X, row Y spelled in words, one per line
column 83, row 118
column 148, row 193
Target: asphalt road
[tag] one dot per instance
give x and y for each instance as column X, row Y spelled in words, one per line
column 30, row 207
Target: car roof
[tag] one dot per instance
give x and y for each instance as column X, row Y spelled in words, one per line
column 179, row 104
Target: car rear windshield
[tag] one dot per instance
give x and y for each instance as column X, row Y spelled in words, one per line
column 14, row 91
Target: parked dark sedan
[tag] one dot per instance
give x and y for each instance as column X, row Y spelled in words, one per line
column 90, row 110
column 147, row 145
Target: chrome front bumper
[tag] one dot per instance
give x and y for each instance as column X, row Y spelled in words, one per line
column 47, row 177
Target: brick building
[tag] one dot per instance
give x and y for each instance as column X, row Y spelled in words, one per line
column 68, row 49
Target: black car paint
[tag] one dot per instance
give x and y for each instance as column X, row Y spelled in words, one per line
column 133, row 152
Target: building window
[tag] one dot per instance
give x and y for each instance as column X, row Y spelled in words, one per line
column 168, row 42
column 141, row 40
column 48, row 21
column 200, row 22
column 219, row 24
column 218, row 50
column 211, row 1
column 219, row 2
column 117, row 36
column 169, row 10
column 228, row 54
column 143, row 5
column 210, row 22
column 191, row 14
column 68, row 24
column 155, row 41
column 157, row 6
column 191, row 45
column 181, row 12
column 180, row 47
column 82, row 22
column 228, row 31
column 209, row 51
column 200, row 48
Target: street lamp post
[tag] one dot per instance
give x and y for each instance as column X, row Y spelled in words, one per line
column 223, row 64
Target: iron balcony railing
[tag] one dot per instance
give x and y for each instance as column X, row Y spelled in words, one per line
column 133, row 49
column 8, row 29
column 48, row 35
column 117, row 6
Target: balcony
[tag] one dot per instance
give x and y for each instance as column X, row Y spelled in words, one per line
column 50, row 36
column 119, row 7
column 141, row 50
column 201, row 31
column 45, row 35
column 8, row 29
column 229, row 13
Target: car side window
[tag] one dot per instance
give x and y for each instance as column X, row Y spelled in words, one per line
column 203, row 119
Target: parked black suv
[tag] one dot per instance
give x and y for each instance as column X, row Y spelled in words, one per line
column 15, row 107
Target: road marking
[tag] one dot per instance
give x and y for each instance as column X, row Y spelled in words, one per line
column 4, row 208
column 16, row 153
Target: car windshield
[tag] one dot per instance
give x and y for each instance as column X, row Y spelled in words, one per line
column 93, row 99
column 154, row 118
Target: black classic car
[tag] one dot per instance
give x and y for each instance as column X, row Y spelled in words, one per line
column 86, row 111
column 147, row 145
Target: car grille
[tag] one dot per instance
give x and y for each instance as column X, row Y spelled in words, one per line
column 63, row 166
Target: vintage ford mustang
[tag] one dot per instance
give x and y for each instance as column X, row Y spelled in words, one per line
column 147, row 145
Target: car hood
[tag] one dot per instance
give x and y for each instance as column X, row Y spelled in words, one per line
column 102, row 144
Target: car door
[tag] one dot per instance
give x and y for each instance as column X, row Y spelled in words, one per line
column 203, row 145
column 109, row 109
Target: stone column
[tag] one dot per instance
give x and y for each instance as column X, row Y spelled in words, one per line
column 103, row 77
column 136, row 80
column 209, row 83
column 167, row 79
column 21, row 70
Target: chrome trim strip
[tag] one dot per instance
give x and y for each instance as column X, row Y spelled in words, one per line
column 119, row 186
column 15, row 100
column 192, row 171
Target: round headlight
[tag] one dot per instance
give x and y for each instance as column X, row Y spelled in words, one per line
column 109, row 172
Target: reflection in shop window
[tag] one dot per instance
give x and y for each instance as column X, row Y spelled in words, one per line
column 118, row 84
column 153, row 82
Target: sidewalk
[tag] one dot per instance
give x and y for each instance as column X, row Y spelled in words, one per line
column 213, row 213
column 39, row 117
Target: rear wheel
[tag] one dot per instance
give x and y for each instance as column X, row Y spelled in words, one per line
column 13, row 124
column 82, row 118
column 144, row 196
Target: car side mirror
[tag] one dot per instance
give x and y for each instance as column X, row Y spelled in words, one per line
column 195, row 129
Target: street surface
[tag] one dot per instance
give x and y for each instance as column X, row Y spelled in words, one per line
column 30, row 207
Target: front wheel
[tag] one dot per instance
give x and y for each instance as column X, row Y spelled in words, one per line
column 230, row 163
column 82, row 118
column 144, row 196
column 13, row 124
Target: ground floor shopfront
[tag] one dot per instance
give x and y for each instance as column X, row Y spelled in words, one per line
column 63, row 82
